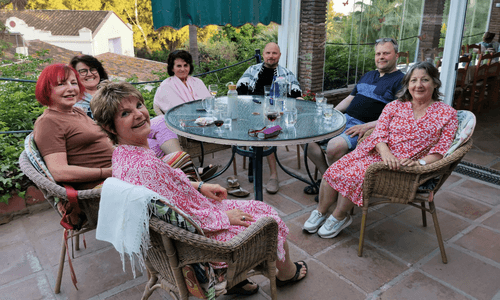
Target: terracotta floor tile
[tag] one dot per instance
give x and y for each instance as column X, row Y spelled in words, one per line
column 17, row 261
column 448, row 224
column 451, row 180
column 496, row 166
column 321, row 283
column 479, row 157
column 12, row 233
column 479, row 191
column 281, row 203
column 295, row 190
column 482, row 241
column 460, row 205
column 369, row 272
column 42, row 223
column 390, row 209
column 371, row 217
column 32, row 288
column 493, row 221
column 88, row 268
column 136, row 292
column 466, row 273
column 403, row 241
column 418, row 286
column 49, row 246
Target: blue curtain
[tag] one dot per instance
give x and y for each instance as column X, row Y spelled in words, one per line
column 178, row 13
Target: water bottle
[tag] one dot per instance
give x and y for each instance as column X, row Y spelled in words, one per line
column 232, row 100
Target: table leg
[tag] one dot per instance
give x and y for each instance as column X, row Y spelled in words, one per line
column 256, row 154
column 311, row 182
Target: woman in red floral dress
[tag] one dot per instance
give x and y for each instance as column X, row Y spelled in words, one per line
column 415, row 130
column 119, row 109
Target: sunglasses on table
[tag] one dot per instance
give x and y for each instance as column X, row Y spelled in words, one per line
column 84, row 72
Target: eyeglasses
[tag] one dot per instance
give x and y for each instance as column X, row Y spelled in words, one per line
column 385, row 40
column 84, row 72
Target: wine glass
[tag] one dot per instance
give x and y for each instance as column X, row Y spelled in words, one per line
column 220, row 114
column 213, row 88
column 271, row 113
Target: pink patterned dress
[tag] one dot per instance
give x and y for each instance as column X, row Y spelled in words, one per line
column 405, row 137
column 140, row 166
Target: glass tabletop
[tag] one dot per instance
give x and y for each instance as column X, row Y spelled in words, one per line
column 248, row 114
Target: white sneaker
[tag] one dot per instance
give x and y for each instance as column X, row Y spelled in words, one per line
column 314, row 222
column 332, row 227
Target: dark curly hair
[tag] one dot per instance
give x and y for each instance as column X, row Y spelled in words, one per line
column 91, row 62
column 182, row 54
column 404, row 94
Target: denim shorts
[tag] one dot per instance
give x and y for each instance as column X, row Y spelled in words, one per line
column 351, row 141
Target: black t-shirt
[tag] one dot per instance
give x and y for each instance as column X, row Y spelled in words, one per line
column 265, row 78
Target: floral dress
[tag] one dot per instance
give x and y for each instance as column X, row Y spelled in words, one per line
column 140, row 166
column 405, row 137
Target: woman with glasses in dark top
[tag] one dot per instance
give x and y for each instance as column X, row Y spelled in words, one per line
column 91, row 73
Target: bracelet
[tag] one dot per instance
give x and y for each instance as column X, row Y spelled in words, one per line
column 200, row 185
column 100, row 172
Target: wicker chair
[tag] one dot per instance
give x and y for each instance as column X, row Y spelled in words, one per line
column 405, row 187
column 87, row 199
column 250, row 253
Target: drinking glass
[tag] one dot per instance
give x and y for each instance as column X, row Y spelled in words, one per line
column 208, row 105
column 271, row 113
column 320, row 99
column 219, row 119
column 290, row 116
column 328, row 112
column 213, row 88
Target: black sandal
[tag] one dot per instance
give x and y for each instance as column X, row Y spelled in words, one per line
column 238, row 289
column 311, row 189
column 281, row 283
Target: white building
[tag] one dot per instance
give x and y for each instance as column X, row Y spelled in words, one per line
column 88, row 32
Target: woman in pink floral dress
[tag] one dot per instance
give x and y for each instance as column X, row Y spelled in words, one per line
column 119, row 109
column 415, row 130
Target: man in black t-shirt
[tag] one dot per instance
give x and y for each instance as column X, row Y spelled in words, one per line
column 252, row 82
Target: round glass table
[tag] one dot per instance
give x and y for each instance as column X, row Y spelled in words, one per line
column 248, row 114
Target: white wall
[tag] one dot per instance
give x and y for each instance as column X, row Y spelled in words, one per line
column 111, row 29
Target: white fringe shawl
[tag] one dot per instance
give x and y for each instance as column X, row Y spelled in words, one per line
column 124, row 219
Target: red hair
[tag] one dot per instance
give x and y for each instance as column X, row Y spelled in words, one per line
column 50, row 77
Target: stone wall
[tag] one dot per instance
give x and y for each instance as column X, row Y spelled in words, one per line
column 431, row 24
column 494, row 25
column 312, row 44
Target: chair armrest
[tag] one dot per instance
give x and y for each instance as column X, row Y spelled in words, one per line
column 263, row 232
column 401, row 185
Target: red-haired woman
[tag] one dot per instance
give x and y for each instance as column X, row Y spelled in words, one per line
column 74, row 148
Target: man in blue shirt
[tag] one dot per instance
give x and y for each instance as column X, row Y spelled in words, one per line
column 362, row 107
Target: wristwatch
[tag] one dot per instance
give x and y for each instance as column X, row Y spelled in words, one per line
column 422, row 162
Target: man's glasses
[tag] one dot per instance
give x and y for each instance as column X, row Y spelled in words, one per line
column 385, row 40
column 84, row 72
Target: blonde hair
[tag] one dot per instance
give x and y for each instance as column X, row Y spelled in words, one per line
column 106, row 103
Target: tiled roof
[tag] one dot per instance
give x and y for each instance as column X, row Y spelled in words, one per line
column 59, row 22
column 116, row 65
column 126, row 66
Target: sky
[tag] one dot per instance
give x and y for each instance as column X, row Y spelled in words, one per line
column 338, row 6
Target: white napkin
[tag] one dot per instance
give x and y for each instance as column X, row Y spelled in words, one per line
column 205, row 121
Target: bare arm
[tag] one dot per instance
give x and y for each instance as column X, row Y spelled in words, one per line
column 342, row 107
column 57, row 164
